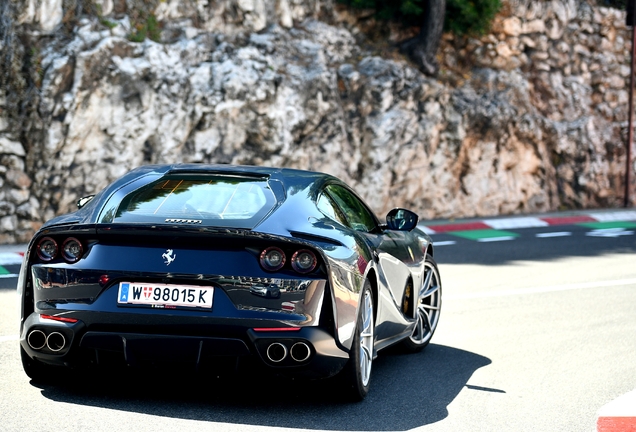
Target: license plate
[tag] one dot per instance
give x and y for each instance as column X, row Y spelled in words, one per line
column 165, row 296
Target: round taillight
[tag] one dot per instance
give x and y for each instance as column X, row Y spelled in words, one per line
column 304, row 261
column 47, row 249
column 72, row 249
column 272, row 259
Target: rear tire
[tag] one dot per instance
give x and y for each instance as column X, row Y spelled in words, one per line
column 356, row 375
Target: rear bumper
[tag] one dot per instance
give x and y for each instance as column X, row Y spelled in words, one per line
column 308, row 352
column 239, row 324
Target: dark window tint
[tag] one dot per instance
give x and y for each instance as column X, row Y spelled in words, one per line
column 213, row 200
column 329, row 209
column 358, row 216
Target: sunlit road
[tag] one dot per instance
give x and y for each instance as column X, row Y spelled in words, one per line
column 537, row 333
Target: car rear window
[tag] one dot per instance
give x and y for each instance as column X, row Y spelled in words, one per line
column 226, row 201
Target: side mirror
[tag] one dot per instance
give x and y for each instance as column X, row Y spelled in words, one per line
column 400, row 219
column 84, row 200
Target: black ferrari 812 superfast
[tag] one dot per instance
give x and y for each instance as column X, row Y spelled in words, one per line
column 194, row 265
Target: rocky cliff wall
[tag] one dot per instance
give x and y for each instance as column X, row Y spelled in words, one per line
column 531, row 117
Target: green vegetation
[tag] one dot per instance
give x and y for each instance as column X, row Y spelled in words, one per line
column 34, row 65
column 143, row 21
column 111, row 25
column 616, row 4
column 410, row 10
column 149, row 28
column 463, row 17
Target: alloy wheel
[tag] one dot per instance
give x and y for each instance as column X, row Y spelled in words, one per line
column 366, row 337
column 429, row 303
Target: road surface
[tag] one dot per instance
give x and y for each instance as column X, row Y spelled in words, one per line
column 537, row 332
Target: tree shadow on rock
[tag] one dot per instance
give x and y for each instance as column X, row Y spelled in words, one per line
column 407, row 391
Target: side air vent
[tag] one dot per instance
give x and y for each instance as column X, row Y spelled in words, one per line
column 315, row 238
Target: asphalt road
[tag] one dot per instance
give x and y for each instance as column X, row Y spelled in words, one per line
column 537, row 333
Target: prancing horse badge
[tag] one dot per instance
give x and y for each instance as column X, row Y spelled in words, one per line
column 169, row 256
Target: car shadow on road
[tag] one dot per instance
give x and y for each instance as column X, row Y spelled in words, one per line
column 408, row 390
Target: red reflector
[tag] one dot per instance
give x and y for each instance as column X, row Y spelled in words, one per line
column 276, row 329
column 58, row 318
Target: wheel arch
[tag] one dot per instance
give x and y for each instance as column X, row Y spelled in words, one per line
column 372, row 277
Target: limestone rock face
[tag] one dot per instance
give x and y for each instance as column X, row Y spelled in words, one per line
column 538, row 123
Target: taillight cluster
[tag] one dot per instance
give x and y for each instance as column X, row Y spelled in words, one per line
column 302, row 261
column 71, row 251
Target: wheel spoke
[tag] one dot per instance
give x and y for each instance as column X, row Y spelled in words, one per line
column 428, row 291
column 366, row 324
column 420, row 328
column 365, row 351
column 426, row 320
column 427, row 281
column 364, row 369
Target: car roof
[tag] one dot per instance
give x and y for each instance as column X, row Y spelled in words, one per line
column 288, row 176
column 291, row 180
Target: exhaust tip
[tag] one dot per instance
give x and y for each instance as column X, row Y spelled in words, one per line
column 36, row 339
column 300, row 351
column 276, row 352
column 55, row 341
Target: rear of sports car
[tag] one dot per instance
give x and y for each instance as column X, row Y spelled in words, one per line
column 174, row 271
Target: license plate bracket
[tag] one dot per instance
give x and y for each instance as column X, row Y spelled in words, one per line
column 166, row 296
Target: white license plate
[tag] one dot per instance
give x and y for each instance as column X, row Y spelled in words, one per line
column 165, row 296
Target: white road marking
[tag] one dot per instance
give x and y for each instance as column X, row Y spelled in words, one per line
column 427, row 230
column 444, row 243
column 554, row 234
column 545, row 289
column 509, row 223
column 609, row 232
column 9, row 338
column 614, row 216
column 10, row 258
column 496, row 239
column 10, row 275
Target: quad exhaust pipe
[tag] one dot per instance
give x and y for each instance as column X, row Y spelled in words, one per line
column 55, row 341
column 276, row 352
column 36, row 339
column 299, row 352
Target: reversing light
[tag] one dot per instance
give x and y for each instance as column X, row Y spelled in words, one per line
column 272, row 259
column 72, row 249
column 304, row 261
column 47, row 249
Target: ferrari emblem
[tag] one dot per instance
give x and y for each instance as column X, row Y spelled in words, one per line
column 169, row 256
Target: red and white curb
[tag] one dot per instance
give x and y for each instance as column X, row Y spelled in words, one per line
column 618, row 415
column 11, row 258
column 530, row 222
